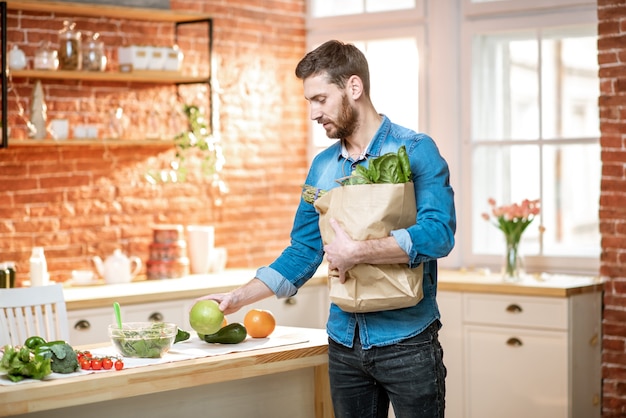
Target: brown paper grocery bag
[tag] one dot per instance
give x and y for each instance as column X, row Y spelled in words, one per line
column 367, row 211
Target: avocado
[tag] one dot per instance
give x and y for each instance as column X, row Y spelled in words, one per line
column 230, row 334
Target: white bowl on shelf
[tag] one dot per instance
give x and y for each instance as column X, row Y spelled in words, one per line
column 82, row 277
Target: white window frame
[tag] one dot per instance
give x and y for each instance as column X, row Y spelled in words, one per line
column 373, row 26
column 476, row 9
column 444, row 29
column 471, row 27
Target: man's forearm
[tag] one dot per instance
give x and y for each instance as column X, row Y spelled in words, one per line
column 380, row 251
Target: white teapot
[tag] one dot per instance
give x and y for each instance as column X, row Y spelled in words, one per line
column 117, row 268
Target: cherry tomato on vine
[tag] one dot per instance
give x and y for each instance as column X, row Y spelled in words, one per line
column 85, row 364
column 107, row 363
column 119, row 364
column 96, row 364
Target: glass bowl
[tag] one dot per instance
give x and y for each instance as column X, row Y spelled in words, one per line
column 143, row 339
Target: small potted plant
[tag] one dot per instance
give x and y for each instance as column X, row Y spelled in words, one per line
column 198, row 156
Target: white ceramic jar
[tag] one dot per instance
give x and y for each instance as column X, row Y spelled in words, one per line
column 17, row 58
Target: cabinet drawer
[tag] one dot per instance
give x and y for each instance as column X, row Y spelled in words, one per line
column 509, row 310
column 90, row 326
column 515, row 373
column 155, row 312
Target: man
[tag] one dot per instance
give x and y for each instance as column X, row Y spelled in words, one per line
column 376, row 357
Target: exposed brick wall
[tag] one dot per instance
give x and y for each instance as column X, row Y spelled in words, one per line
column 612, row 59
column 79, row 200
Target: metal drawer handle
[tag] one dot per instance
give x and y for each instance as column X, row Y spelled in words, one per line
column 156, row 317
column 514, row 342
column 514, row 308
column 290, row 301
column 82, row 325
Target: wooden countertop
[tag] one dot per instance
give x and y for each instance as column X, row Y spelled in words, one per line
column 546, row 285
column 193, row 286
column 111, row 385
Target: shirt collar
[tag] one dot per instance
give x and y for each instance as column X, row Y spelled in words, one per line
column 373, row 147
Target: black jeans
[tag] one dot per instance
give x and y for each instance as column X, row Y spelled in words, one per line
column 410, row 374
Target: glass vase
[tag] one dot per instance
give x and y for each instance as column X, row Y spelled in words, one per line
column 513, row 269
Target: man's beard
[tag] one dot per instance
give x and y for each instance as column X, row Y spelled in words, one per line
column 346, row 123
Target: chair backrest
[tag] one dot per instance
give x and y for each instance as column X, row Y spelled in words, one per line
column 30, row 311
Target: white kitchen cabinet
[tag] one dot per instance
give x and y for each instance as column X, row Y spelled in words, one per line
column 522, row 356
column 89, row 326
column 451, row 339
column 308, row 309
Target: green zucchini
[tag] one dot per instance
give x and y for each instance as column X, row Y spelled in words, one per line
column 230, row 334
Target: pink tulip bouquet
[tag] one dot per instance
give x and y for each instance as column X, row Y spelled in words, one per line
column 512, row 220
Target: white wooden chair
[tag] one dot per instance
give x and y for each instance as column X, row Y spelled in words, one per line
column 30, row 311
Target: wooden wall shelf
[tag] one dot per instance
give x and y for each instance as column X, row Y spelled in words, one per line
column 174, row 17
column 121, row 12
column 165, row 143
column 160, row 77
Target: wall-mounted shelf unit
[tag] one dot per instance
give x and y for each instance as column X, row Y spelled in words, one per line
column 177, row 18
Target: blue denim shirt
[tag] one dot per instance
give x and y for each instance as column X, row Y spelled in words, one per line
column 431, row 237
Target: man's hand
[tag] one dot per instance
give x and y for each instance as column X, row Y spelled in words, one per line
column 227, row 301
column 341, row 251
column 251, row 292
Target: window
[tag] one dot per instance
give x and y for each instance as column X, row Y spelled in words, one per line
column 508, row 89
column 534, row 133
column 394, row 67
column 325, row 8
column 392, row 51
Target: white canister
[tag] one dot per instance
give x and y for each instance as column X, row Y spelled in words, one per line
column 38, row 268
column 17, row 58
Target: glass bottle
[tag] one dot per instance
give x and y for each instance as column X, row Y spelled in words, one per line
column 10, row 269
column 70, row 49
column 94, row 58
column 4, row 277
column 38, row 268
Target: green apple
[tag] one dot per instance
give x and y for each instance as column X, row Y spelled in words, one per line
column 205, row 317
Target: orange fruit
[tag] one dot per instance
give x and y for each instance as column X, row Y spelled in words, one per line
column 259, row 323
column 224, row 322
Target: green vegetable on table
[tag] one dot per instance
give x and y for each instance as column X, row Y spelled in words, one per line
column 181, row 335
column 21, row 363
column 63, row 357
column 34, row 342
column 393, row 167
column 230, row 334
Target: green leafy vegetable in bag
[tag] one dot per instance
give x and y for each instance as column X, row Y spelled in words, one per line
column 393, row 167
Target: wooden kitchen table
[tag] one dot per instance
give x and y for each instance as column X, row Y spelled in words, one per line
column 285, row 381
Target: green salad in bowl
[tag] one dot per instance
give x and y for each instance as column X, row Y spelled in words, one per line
column 143, row 339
